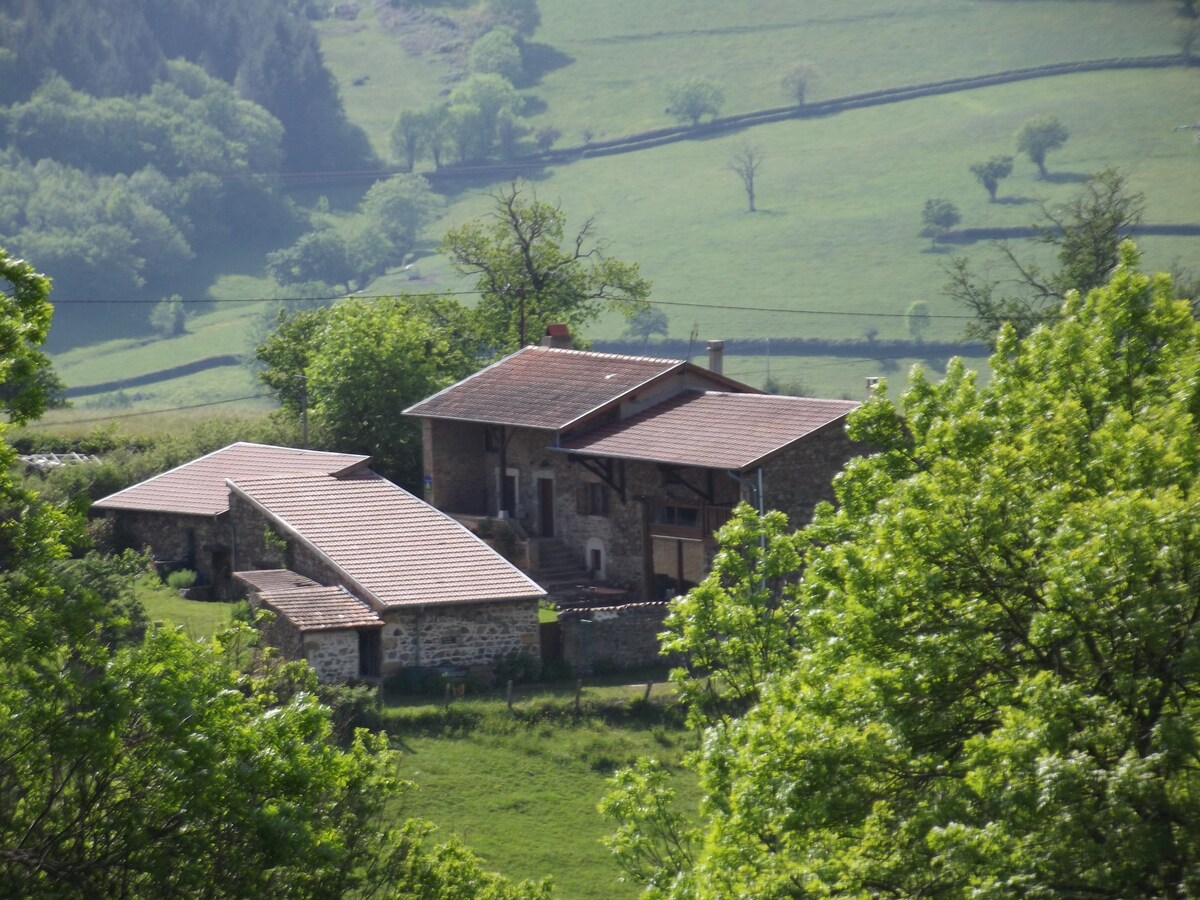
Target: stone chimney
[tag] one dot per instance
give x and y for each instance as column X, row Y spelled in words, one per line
column 872, row 385
column 716, row 356
column 559, row 336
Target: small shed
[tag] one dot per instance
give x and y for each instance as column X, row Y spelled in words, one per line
column 333, row 630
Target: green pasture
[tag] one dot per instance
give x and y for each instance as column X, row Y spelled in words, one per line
column 625, row 51
column 604, row 66
column 835, row 249
column 198, row 619
column 522, row 790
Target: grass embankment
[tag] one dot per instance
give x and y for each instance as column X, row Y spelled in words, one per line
column 835, row 250
column 521, row 787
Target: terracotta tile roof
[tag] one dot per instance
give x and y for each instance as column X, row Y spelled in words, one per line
column 198, row 487
column 543, row 387
column 712, row 429
column 321, row 608
column 274, row 580
column 392, row 548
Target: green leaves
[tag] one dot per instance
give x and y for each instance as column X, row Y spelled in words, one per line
column 987, row 681
column 527, row 279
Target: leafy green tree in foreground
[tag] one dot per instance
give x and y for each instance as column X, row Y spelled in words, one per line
column 994, row 689
column 151, row 766
column 25, row 315
column 527, row 279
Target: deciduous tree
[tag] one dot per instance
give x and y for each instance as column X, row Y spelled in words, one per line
column 25, row 315
column 745, row 163
column 797, row 83
column 1086, row 233
column 938, row 216
column 691, row 99
column 1038, row 136
column 996, row 633
column 992, row 172
column 526, row 277
column 355, row 365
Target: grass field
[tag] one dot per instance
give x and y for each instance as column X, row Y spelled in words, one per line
column 522, row 790
column 835, row 250
column 198, row 619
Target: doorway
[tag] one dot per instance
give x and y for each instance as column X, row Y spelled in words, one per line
column 545, row 497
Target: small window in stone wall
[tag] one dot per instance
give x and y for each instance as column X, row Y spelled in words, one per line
column 591, row 499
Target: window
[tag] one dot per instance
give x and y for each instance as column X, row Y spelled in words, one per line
column 679, row 516
column 591, row 499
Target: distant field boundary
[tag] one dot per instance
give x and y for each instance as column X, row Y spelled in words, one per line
column 674, row 348
column 677, row 348
column 200, row 365
column 726, row 124
column 971, row 235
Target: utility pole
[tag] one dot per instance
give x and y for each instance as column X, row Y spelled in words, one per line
column 303, row 410
column 521, row 297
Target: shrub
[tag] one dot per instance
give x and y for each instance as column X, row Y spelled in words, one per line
column 181, row 579
column 519, row 666
column 352, row 706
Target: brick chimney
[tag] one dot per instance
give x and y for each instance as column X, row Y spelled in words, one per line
column 557, row 335
column 716, row 356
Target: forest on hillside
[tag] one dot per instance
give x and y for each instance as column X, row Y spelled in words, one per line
column 134, row 136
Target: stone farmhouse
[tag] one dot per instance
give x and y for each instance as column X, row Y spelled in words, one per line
column 365, row 579
column 618, row 469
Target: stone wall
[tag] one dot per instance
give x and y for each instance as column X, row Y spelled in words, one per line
column 332, row 654
column 458, row 635
column 200, row 543
column 280, row 633
column 454, row 456
column 618, row 637
column 802, row 476
column 252, row 550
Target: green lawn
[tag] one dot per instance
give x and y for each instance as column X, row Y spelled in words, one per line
column 197, row 618
column 522, row 790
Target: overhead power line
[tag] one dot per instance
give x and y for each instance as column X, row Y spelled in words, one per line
column 680, row 303
column 148, row 412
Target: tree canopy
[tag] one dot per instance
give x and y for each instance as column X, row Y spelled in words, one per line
column 1086, row 233
column 992, row 172
column 25, row 315
column 353, row 367
column 526, row 277
column 139, row 763
column 991, row 688
column 1038, row 136
column 691, row 99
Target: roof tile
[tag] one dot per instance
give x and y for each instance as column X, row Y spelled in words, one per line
column 542, row 387
column 198, row 487
column 712, row 429
column 321, row 608
column 392, row 546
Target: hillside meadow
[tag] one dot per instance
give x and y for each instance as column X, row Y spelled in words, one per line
column 835, row 249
